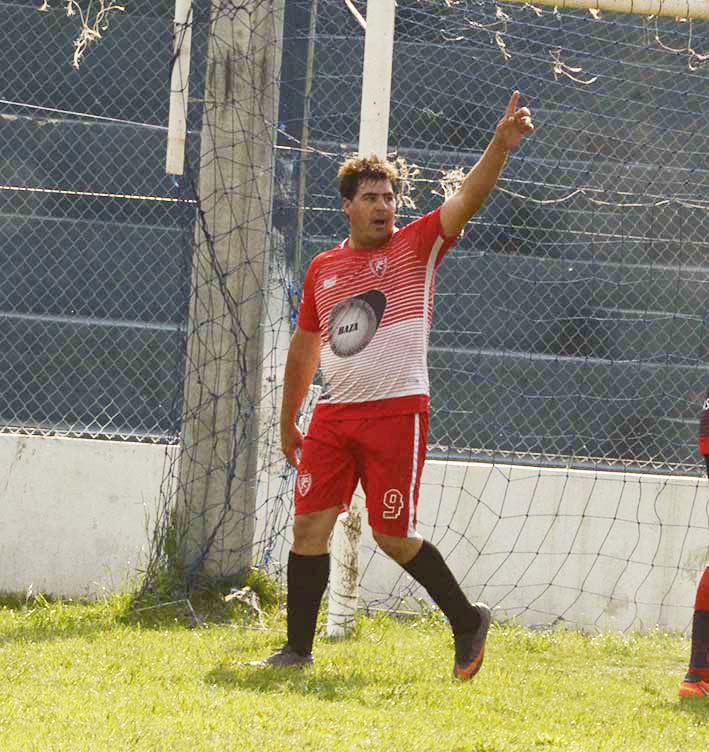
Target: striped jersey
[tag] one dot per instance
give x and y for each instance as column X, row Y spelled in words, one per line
column 373, row 308
column 704, row 428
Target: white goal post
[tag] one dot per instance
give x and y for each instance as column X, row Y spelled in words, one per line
column 373, row 139
column 694, row 9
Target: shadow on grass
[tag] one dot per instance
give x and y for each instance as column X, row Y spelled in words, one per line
column 321, row 683
column 43, row 618
column 35, row 626
column 37, row 618
column 696, row 707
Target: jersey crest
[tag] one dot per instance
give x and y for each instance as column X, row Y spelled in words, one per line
column 379, row 266
column 305, row 482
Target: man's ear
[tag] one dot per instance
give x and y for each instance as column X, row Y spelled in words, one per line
column 346, row 204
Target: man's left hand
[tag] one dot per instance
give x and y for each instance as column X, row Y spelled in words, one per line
column 515, row 124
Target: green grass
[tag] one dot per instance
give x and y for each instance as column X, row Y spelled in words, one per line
column 94, row 677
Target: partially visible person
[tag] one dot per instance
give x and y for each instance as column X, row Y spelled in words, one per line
column 696, row 682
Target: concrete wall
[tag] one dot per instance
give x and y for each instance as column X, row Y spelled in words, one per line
column 75, row 513
column 593, row 549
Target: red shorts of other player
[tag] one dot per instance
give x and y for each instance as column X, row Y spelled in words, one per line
column 386, row 454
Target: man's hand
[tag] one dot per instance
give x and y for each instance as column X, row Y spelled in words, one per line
column 291, row 443
column 465, row 202
column 301, row 364
column 514, row 126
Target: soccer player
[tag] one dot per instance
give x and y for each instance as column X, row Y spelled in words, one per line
column 365, row 316
column 696, row 682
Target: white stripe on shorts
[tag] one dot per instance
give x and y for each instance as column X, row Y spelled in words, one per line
column 411, row 532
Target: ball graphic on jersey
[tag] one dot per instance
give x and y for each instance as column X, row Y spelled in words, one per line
column 353, row 322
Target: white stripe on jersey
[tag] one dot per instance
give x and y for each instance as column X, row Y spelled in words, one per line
column 384, row 358
column 383, row 368
column 427, row 301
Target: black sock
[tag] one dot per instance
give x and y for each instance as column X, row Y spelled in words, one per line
column 307, row 580
column 428, row 568
column 699, row 660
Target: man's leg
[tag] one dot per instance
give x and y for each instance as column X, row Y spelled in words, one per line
column 325, row 483
column 393, row 453
column 423, row 561
column 696, row 682
column 308, row 572
column 470, row 623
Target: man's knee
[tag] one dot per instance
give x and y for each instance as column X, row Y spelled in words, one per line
column 402, row 550
column 311, row 531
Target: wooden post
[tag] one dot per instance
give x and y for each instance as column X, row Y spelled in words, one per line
column 217, row 477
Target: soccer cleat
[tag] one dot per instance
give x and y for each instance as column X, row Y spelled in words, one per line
column 286, row 657
column 470, row 646
column 693, row 686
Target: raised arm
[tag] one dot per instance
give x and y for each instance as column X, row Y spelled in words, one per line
column 465, row 202
column 301, row 364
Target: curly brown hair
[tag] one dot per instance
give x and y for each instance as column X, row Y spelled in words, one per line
column 354, row 169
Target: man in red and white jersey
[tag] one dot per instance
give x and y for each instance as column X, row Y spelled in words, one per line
column 365, row 317
column 696, row 681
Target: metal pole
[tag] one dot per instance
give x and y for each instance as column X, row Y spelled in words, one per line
column 305, row 140
column 179, row 89
column 693, row 9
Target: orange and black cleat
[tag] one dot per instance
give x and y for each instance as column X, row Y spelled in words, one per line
column 693, row 686
column 470, row 646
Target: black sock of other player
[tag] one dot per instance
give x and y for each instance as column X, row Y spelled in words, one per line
column 307, row 580
column 429, row 568
column 699, row 660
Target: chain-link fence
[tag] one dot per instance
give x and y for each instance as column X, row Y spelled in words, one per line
column 571, row 319
column 95, row 239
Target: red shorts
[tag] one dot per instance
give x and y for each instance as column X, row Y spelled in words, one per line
column 385, row 454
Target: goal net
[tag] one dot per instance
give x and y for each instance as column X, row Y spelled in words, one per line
column 569, row 352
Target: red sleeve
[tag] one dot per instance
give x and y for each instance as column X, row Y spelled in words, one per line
column 427, row 236
column 307, row 313
column 704, row 428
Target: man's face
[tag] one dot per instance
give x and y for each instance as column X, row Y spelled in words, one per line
column 371, row 212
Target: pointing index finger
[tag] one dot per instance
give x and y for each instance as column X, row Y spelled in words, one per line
column 512, row 104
